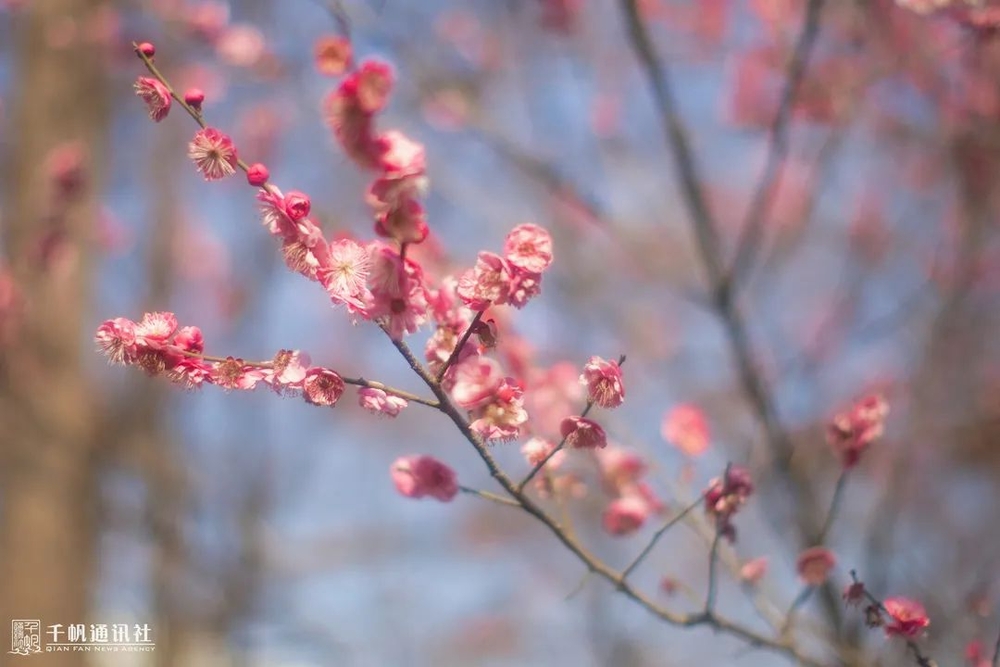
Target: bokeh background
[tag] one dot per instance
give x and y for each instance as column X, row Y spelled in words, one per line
column 251, row 530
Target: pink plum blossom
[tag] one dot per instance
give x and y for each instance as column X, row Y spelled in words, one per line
column 686, row 428
column 851, row 432
column 379, row 402
column 603, row 380
column 625, row 515
column 583, row 433
column 502, row 417
column 155, row 95
column 487, row 284
column 529, row 248
column 907, row 618
column 322, row 386
column 213, row 153
column 476, row 381
column 814, row 565
column 725, row 496
column 345, row 278
column 419, row 476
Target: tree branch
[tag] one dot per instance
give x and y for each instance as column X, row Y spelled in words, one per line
column 592, row 563
column 753, row 223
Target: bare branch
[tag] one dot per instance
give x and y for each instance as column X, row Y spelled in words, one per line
column 753, row 223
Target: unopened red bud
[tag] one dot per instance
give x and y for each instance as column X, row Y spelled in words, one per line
column 257, row 175
column 297, row 205
column 194, row 97
column 147, row 49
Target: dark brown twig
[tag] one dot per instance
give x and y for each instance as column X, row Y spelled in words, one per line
column 461, row 343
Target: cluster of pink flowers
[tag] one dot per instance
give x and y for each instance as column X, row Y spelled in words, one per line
column 982, row 18
column 725, row 496
column 495, row 402
column 512, row 279
column 633, row 500
column 373, row 281
column 157, row 345
column 851, row 432
column 402, row 169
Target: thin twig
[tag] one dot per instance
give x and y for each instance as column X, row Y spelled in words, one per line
column 579, row 587
column 458, row 348
column 194, row 113
column 374, row 384
column 838, row 493
column 562, row 443
column 713, row 557
column 359, row 382
column 489, row 496
column 753, row 223
column 799, row 600
column 659, row 533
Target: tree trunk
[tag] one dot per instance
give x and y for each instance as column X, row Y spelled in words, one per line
column 48, row 449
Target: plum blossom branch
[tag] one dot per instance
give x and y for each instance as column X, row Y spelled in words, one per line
column 374, row 384
column 800, row 599
column 529, row 253
column 562, row 443
column 196, row 114
column 592, row 563
column 358, row 382
column 753, row 222
column 902, row 617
